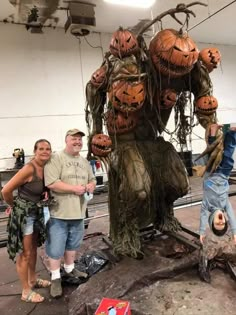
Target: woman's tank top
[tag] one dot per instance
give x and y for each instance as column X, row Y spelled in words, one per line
column 32, row 191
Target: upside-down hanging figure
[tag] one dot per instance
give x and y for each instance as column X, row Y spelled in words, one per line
column 133, row 94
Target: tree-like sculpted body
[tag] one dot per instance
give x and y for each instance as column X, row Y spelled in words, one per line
column 133, row 94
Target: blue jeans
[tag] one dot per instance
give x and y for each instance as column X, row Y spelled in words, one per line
column 30, row 224
column 63, row 235
column 215, row 196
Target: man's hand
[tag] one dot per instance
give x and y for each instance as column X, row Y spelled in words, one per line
column 202, row 238
column 90, row 187
column 79, row 190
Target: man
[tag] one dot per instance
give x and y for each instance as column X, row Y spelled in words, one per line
column 215, row 203
column 69, row 176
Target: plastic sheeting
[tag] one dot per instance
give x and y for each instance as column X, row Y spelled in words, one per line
column 90, row 263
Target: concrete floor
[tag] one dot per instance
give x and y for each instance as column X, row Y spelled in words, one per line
column 222, row 287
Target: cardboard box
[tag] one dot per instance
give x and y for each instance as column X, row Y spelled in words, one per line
column 113, row 307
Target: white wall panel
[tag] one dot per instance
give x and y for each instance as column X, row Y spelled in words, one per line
column 42, row 86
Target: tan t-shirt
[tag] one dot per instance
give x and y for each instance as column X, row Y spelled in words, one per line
column 74, row 170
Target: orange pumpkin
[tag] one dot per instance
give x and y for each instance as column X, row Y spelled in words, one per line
column 127, row 96
column 120, row 123
column 173, row 53
column 101, row 144
column 206, row 105
column 98, row 78
column 123, row 43
column 168, row 98
column 210, row 57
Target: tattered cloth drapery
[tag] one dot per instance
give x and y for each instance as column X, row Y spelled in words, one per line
column 17, row 219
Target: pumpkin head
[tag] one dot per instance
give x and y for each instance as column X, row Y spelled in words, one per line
column 120, row 123
column 98, row 78
column 173, row 53
column 168, row 98
column 101, row 144
column 206, row 105
column 127, row 96
column 123, row 43
column 210, row 57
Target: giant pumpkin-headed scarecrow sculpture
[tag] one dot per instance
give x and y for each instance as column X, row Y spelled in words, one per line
column 132, row 95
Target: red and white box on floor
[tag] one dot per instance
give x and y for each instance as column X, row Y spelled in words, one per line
column 113, row 307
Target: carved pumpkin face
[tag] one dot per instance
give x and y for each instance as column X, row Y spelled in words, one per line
column 210, row 57
column 127, row 96
column 168, row 98
column 101, row 145
column 120, row 123
column 123, row 43
column 206, row 105
column 173, row 53
column 98, row 78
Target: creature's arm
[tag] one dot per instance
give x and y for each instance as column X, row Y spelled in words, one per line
column 202, row 86
column 96, row 100
column 95, row 106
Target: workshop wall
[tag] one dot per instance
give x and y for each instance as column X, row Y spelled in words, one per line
column 42, row 87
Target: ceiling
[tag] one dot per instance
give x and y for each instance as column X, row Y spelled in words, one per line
column 213, row 23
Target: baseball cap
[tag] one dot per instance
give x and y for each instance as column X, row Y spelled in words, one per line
column 74, row 131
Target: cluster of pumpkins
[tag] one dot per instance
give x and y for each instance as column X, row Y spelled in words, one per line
column 173, row 53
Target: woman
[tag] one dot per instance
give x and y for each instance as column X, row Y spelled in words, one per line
column 26, row 228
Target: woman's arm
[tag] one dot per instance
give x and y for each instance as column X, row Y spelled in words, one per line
column 22, row 176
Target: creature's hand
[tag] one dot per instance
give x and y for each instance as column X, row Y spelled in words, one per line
column 215, row 149
column 213, row 130
column 202, row 238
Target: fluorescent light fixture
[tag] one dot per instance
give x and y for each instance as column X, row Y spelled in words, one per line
column 133, row 3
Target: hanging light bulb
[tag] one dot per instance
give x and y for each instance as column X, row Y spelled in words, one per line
column 133, row 3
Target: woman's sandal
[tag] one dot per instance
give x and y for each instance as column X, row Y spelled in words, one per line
column 32, row 297
column 41, row 283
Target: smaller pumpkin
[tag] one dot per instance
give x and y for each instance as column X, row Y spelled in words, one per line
column 168, row 98
column 123, row 43
column 210, row 57
column 120, row 123
column 127, row 96
column 98, row 78
column 206, row 105
column 101, row 145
